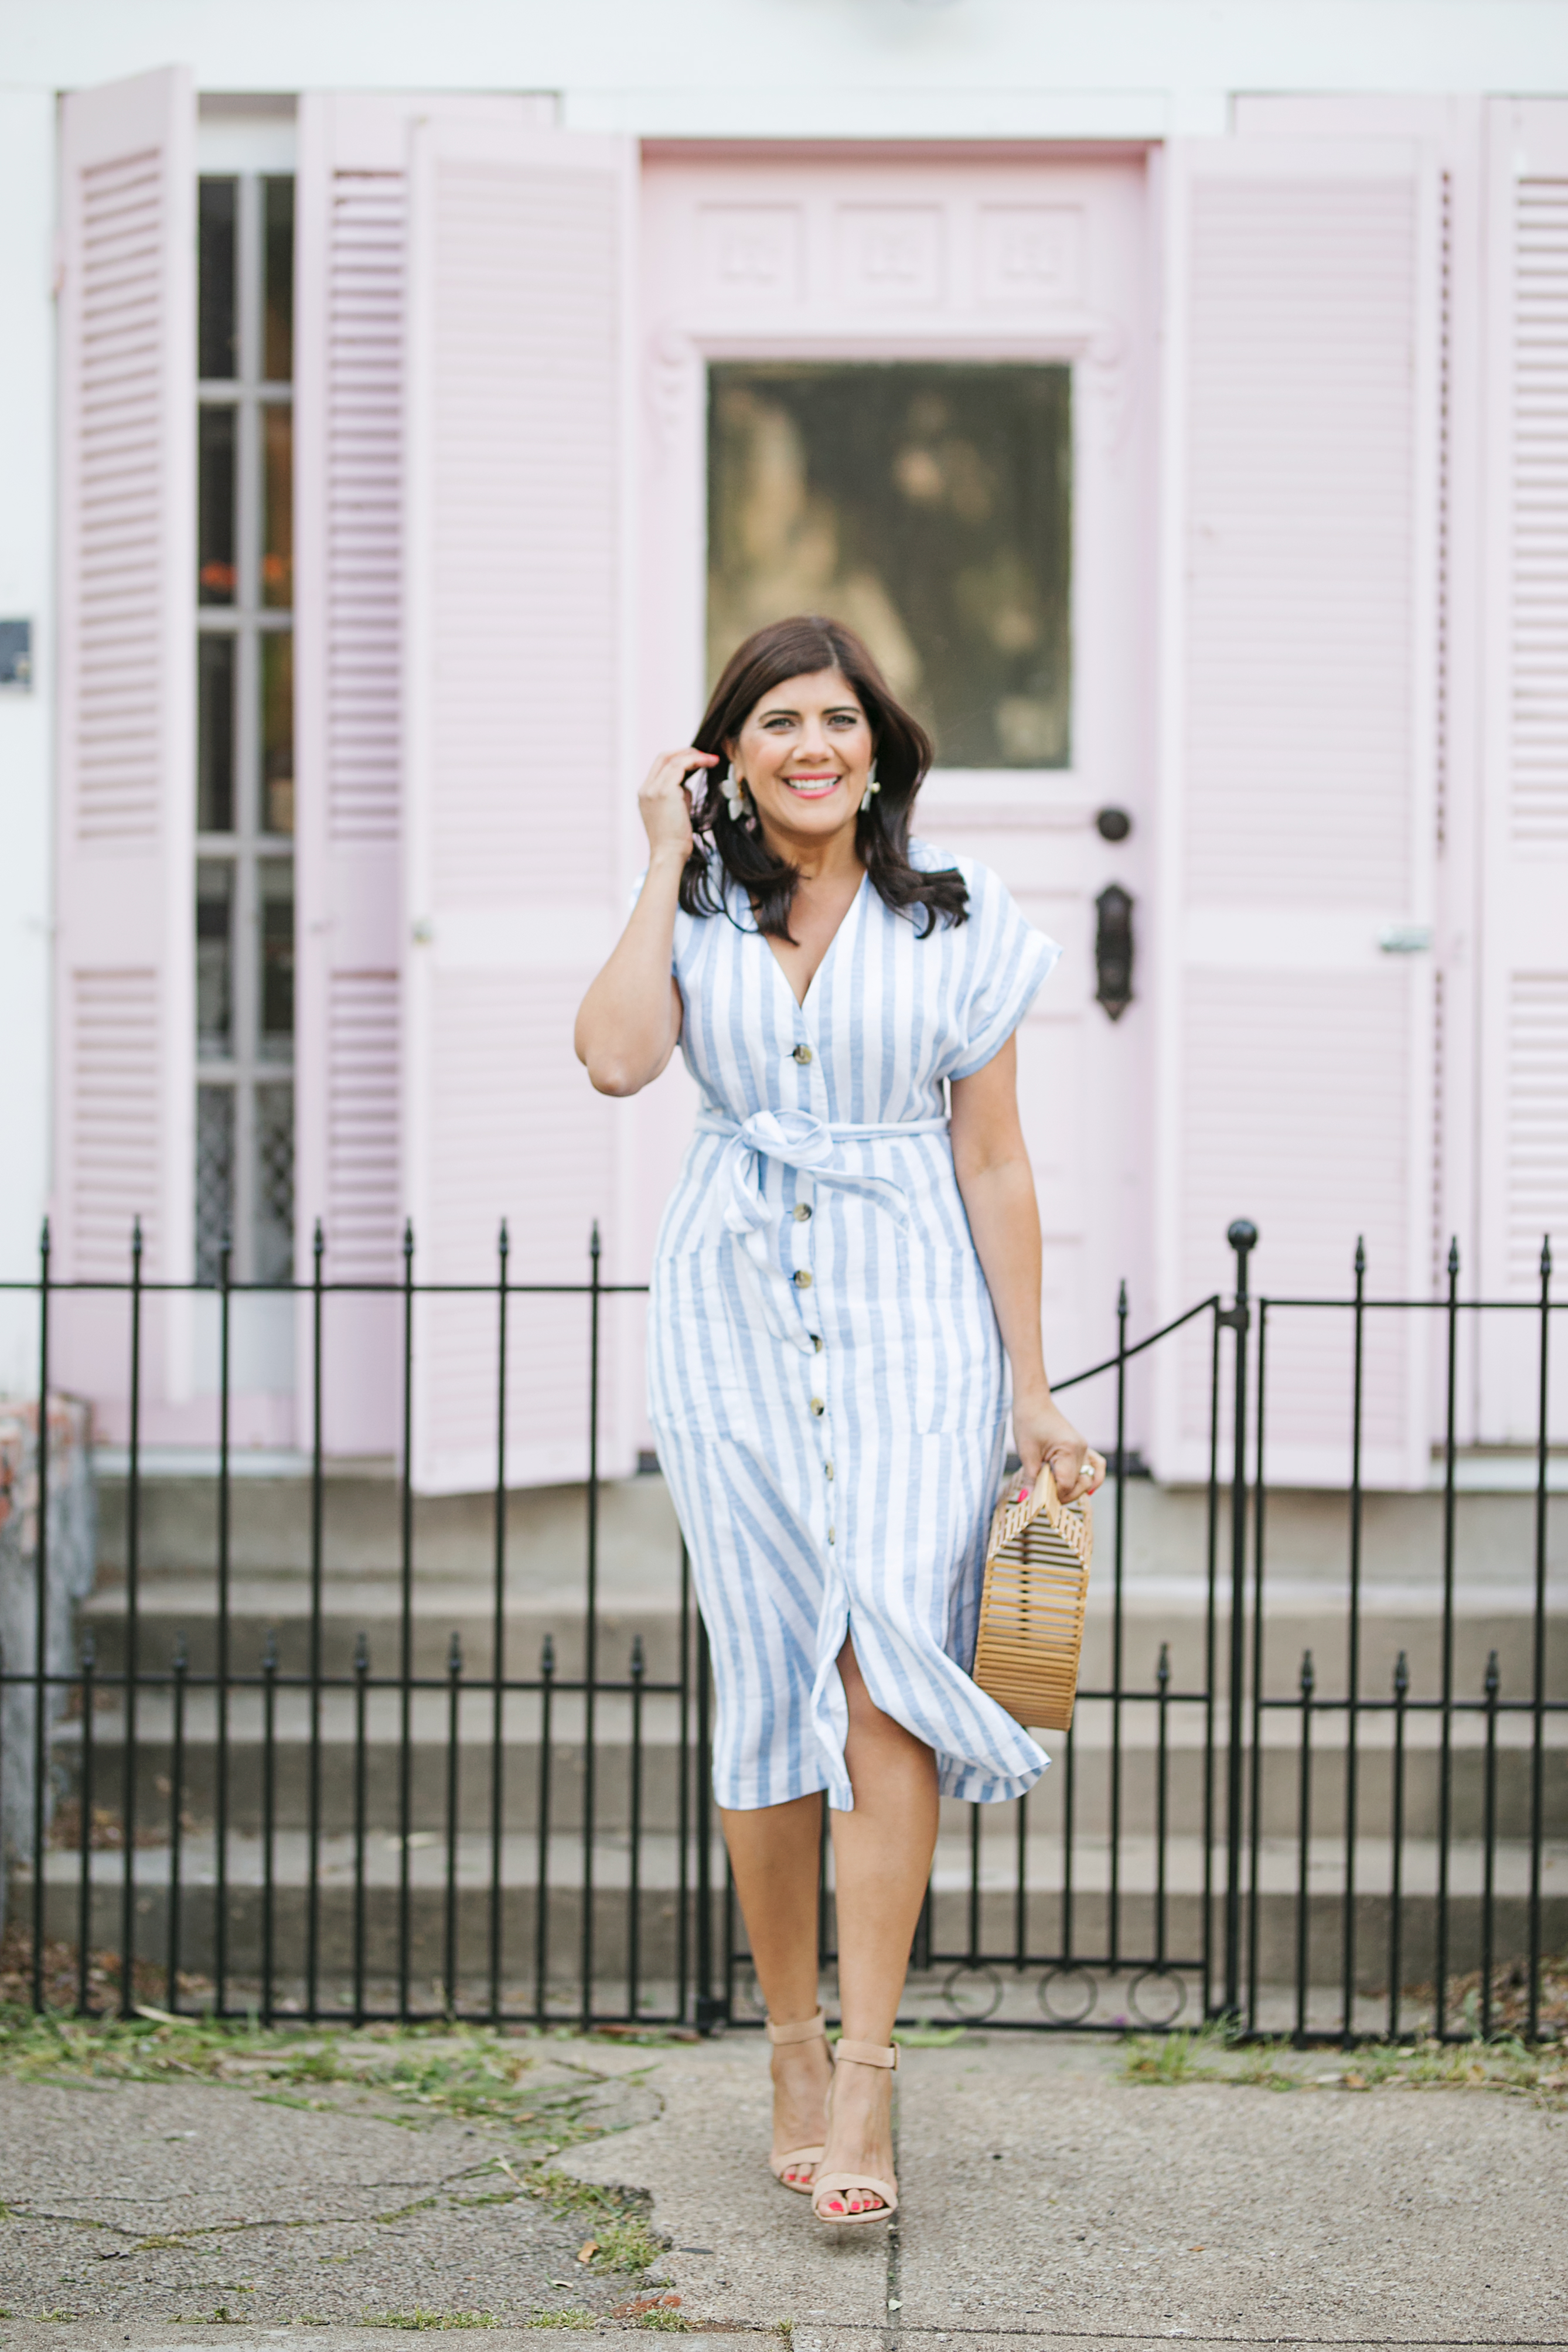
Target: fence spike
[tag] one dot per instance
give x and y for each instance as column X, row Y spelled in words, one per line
column 362, row 1654
column 135, row 1240
column 547, row 1655
column 1545, row 1257
column 1401, row 1676
column 407, row 1237
column 1454, row 1254
column 1308, row 1675
column 45, row 1244
column 1162, row 1671
column 88, row 1652
column 1360, row 1255
column 270, row 1651
column 1493, row 1681
column 318, row 1242
column 638, row 1663
column 181, row 1653
column 454, row 1653
column 503, row 1242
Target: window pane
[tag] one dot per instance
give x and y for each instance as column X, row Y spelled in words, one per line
column 278, row 732
column 215, row 734
column 215, row 506
column 215, row 958
column 215, row 1176
column 278, row 505
column 275, row 877
column 214, row 301
column 929, row 507
column 278, row 233
column 273, row 1183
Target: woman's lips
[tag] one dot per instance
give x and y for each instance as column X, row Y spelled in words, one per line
column 813, row 788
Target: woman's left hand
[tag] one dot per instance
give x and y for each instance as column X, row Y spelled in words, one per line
column 1043, row 1433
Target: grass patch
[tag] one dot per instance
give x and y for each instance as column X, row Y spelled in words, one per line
column 420, row 2319
column 1213, row 2053
column 568, row 2318
column 669, row 2322
column 628, row 2244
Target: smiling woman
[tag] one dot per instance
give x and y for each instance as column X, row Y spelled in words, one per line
column 849, row 1260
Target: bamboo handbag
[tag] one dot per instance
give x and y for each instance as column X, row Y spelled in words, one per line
column 1031, row 1610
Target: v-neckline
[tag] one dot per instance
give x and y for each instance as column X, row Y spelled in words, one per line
column 800, row 1003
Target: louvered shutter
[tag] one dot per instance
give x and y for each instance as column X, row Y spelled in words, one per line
column 1524, row 1026
column 351, row 297
column 124, row 877
column 1297, row 699
column 517, row 582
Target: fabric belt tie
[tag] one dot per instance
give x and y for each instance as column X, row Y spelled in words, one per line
column 811, row 1145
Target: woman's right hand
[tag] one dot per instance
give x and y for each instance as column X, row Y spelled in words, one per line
column 665, row 801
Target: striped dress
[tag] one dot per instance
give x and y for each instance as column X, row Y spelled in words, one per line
column 828, row 1382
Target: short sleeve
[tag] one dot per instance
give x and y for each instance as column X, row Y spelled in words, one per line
column 1007, row 961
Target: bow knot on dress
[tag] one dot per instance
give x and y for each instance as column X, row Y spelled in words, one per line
column 826, row 1379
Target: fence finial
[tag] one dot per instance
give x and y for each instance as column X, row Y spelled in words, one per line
column 45, row 1244
column 1309, row 1676
column 1453, row 1259
column 1360, row 1260
column 317, row 1242
column 1545, row 1257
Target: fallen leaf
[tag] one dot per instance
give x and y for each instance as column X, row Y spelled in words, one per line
column 587, row 2251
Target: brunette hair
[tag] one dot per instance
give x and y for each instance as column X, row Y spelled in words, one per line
column 798, row 649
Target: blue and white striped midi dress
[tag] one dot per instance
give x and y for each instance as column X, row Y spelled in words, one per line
column 828, row 1382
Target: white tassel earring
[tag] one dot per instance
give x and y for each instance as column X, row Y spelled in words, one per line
column 873, row 783
column 738, row 800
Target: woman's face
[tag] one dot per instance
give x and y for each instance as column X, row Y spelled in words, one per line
column 805, row 751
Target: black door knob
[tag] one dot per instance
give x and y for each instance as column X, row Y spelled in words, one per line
column 1113, row 824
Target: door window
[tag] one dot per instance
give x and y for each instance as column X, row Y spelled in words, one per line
column 930, row 506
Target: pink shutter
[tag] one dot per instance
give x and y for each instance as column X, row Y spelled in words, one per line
column 1298, row 695
column 350, row 295
column 124, row 1126
column 1523, row 1027
column 516, row 587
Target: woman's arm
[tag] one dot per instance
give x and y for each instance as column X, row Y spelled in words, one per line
column 629, row 1024
column 998, row 1189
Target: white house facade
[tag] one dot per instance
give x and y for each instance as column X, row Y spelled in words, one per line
column 405, row 409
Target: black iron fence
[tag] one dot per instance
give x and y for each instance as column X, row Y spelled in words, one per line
column 359, row 1830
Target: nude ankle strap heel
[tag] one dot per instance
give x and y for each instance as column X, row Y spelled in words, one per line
column 809, row 2029
column 836, row 2184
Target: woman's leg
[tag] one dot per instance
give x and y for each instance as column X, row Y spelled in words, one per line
column 882, row 1856
column 774, row 1854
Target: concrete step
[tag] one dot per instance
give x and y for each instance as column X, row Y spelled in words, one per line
column 361, row 1897
column 1097, row 1753
column 1154, row 1613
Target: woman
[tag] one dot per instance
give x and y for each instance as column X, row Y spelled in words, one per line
column 847, row 1254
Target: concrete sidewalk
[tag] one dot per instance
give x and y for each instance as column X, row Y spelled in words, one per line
column 1047, row 2201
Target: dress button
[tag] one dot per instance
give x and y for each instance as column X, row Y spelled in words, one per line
column 830, row 1534
column 816, row 1342
column 803, row 1054
column 829, row 1467
column 802, row 1278
column 818, row 1407
column 802, row 1212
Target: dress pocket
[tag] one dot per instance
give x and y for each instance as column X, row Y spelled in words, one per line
column 703, row 1374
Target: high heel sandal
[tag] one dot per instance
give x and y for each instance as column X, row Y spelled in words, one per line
column 836, row 2184
column 786, row 2160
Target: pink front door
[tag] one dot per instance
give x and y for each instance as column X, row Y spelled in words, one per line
column 768, row 282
